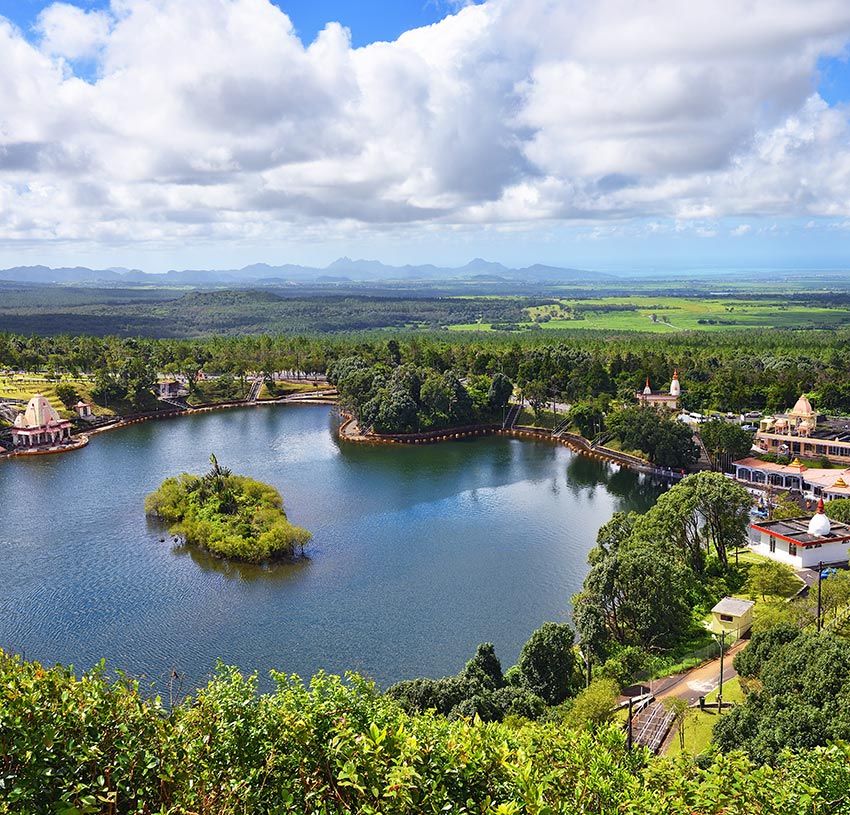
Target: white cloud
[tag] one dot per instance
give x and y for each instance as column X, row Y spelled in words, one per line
column 71, row 32
column 741, row 230
column 210, row 119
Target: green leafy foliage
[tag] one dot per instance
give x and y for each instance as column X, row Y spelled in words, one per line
column 89, row 745
column 547, row 663
column 768, row 578
column 230, row 516
column 666, row 441
column 801, row 695
column 408, row 398
column 725, row 442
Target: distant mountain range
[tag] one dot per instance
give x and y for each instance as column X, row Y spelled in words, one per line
column 340, row 271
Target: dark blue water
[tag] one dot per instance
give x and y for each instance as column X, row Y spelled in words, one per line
column 419, row 553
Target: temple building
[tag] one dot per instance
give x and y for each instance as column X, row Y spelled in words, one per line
column 803, row 543
column 811, row 482
column 802, row 432
column 40, row 425
column 660, row 399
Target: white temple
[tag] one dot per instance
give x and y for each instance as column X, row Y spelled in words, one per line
column 39, row 425
column 660, row 399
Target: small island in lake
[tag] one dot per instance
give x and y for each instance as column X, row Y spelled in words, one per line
column 230, row 516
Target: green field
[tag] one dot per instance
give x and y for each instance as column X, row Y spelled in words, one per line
column 16, row 386
column 671, row 314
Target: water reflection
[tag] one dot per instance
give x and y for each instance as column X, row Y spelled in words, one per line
column 418, row 553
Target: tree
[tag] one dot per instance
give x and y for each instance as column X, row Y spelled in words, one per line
column 802, row 700
column 666, row 441
column 67, row 394
column 724, row 442
column 839, row 510
column 635, row 595
column 785, row 507
column 768, row 578
column 682, row 712
column 547, row 663
column 535, row 393
column 594, row 705
column 588, row 418
column 501, row 389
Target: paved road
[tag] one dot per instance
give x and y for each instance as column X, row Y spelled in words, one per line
column 700, row 680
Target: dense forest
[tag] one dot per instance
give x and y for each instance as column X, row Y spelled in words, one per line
column 165, row 313
column 729, row 372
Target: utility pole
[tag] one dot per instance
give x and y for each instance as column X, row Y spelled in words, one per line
column 820, row 581
column 720, row 689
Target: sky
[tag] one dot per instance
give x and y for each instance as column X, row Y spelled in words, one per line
column 609, row 134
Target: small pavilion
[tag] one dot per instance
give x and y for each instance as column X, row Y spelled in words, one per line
column 84, row 410
column 732, row 616
column 40, row 425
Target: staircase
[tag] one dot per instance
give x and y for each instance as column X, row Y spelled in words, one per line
column 651, row 725
column 560, row 428
column 254, row 393
column 176, row 401
column 511, row 417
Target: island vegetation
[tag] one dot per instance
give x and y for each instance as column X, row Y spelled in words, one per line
column 230, row 516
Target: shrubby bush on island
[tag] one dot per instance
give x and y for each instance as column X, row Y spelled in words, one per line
column 230, row 516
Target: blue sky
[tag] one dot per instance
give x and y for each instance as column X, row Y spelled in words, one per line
column 599, row 133
column 368, row 20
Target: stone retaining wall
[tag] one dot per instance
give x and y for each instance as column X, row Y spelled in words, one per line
column 348, row 431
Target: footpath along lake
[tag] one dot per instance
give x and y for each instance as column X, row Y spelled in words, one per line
column 418, row 553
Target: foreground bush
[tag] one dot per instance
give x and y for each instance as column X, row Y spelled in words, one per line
column 228, row 515
column 90, row 745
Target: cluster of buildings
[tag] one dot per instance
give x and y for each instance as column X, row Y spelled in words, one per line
column 819, row 469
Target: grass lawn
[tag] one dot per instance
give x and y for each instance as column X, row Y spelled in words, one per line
column 546, row 419
column 284, row 388
column 221, row 389
column 731, row 692
column 700, row 724
column 698, row 729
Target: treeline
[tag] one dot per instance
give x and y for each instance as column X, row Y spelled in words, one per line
column 90, row 745
column 752, row 371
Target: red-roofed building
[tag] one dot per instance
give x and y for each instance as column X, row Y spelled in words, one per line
column 805, row 542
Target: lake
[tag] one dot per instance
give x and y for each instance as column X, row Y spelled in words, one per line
column 418, row 553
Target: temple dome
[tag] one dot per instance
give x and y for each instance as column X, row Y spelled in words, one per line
column 819, row 525
column 675, row 388
column 803, row 407
column 39, row 413
column 647, row 391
